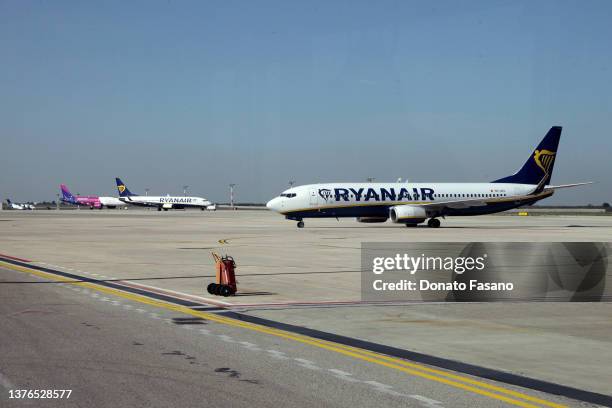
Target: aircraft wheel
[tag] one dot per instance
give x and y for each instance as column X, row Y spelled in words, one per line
column 225, row 291
column 300, row 224
column 211, row 288
column 433, row 223
column 158, row 208
column 165, row 209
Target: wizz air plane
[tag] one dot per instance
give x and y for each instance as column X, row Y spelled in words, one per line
column 19, row 206
column 162, row 202
column 89, row 201
column 413, row 203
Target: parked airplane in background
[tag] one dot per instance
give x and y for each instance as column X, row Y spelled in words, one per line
column 162, row 202
column 413, row 203
column 89, row 201
column 19, row 206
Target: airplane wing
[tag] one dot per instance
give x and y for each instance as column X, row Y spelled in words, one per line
column 481, row 201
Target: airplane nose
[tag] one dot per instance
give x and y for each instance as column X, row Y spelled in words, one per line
column 272, row 204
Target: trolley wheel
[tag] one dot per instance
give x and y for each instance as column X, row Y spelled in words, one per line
column 225, row 291
column 211, row 288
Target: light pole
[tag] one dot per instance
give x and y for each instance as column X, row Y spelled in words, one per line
column 57, row 202
column 185, row 190
column 371, row 179
column 291, row 183
column 146, row 191
column 231, row 186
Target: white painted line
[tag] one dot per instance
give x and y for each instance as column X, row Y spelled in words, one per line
column 205, row 332
column 426, row 402
column 250, row 346
column 384, row 388
column 277, row 354
column 343, row 375
column 302, row 362
column 226, row 338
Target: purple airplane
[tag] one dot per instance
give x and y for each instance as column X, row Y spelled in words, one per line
column 89, row 201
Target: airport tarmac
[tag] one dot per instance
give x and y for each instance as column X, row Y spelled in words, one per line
column 311, row 278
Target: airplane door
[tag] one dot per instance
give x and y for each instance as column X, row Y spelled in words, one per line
column 314, row 197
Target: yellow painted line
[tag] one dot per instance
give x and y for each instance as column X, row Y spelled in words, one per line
column 357, row 353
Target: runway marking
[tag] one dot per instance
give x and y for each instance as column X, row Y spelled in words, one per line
column 302, row 362
column 250, row 346
column 415, row 369
column 15, row 258
column 277, row 354
column 384, row 388
column 427, row 402
column 343, row 375
column 180, row 295
column 226, row 338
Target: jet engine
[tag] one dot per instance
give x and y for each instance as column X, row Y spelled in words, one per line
column 369, row 220
column 407, row 214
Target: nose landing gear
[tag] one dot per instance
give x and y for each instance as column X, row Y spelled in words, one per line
column 433, row 223
column 300, row 224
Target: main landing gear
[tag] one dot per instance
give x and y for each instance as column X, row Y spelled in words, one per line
column 433, row 223
column 300, row 224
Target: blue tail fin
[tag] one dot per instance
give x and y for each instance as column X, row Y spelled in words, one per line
column 123, row 190
column 67, row 195
column 538, row 169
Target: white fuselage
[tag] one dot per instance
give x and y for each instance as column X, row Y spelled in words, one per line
column 111, row 202
column 167, row 202
column 375, row 199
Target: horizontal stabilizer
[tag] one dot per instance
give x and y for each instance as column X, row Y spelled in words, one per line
column 568, row 185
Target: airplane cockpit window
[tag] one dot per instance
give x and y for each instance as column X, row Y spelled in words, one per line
column 288, row 195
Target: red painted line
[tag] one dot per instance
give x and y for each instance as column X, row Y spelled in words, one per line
column 183, row 296
column 14, row 258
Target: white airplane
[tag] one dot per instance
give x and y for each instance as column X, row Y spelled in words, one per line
column 162, row 202
column 111, row 202
column 19, row 206
column 413, row 203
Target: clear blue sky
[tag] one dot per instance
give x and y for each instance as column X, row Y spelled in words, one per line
column 207, row 93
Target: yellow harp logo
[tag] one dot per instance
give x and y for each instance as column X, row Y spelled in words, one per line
column 121, row 188
column 544, row 159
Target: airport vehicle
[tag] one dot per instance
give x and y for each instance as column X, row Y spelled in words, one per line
column 19, row 206
column 89, row 201
column 162, row 202
column 413, row 203
column 225, row 282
